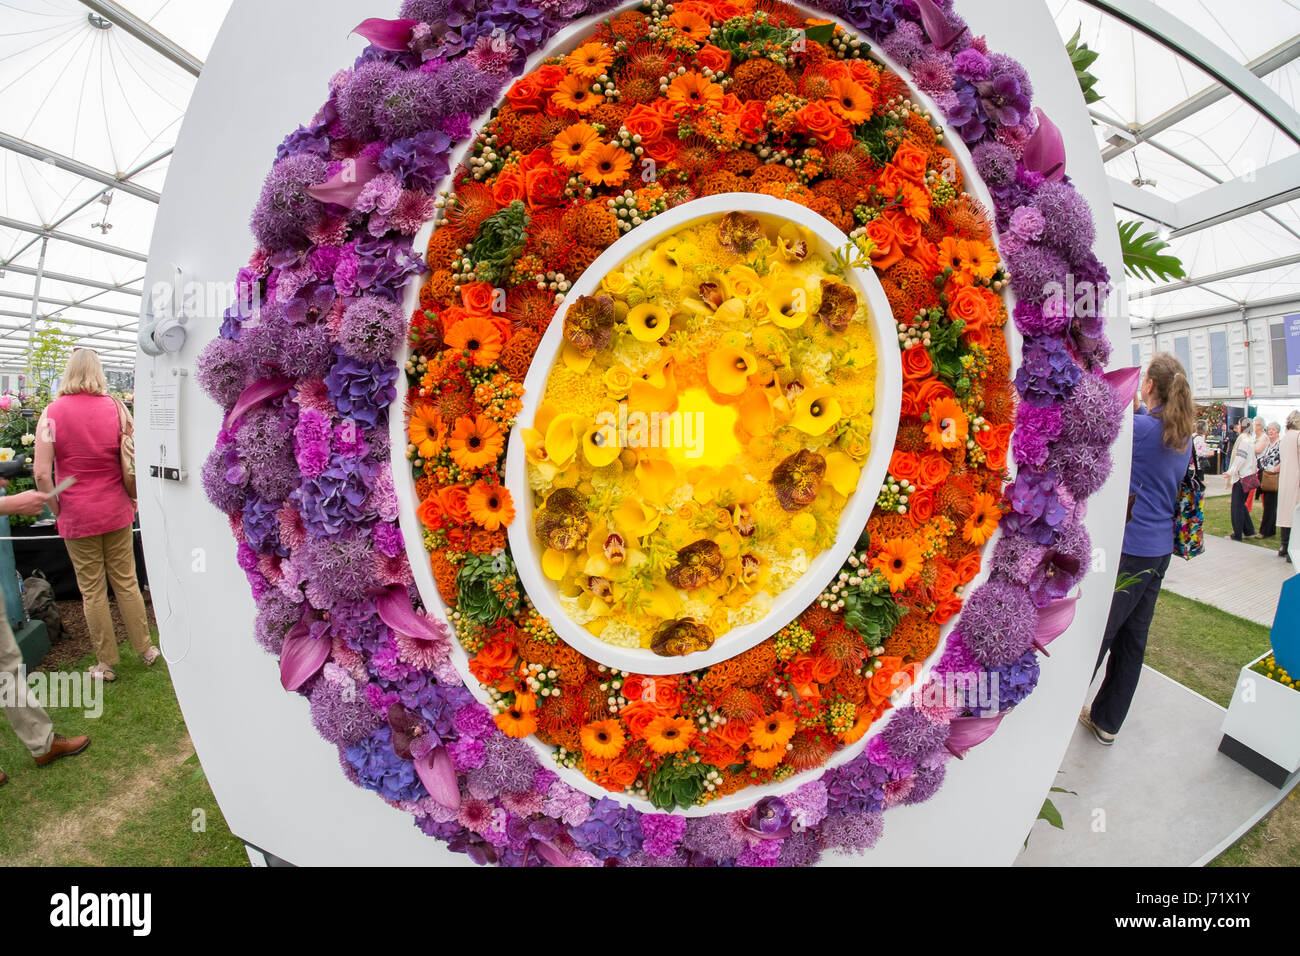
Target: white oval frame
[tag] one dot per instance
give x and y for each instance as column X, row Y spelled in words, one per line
column 788, row 604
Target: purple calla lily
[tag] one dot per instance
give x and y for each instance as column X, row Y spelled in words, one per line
column 1053, row 621
column 392, row 35
column 260, row 391
column 343, row 188
column 302, row 656
column 966, row 732
column 1045, row 151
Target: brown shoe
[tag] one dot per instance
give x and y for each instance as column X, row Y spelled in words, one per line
column 63, row 747
column 3, row 779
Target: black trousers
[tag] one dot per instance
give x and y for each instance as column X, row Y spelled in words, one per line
column 1126, row 639
column 1241, row 520
column 1268, row 524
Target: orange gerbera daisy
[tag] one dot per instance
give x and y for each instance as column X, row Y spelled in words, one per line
column 476, row 442
column 983, row 520
column 489, row 505
column 427, row 431
column 589, row 60
column 947, row 427
column 766, row 759
column 575, row 93
column 574, row 145
column 606, row 165
column 968, row 258
column 692, row 24
column 603, row 739
column 899, row 561
column 850, row 100
column 520, row 718
column 477, row 336
column 774, row 730
column 669, row 735
column 694, row 92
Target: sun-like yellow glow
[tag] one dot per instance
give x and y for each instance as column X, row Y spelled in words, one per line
column 708, row 432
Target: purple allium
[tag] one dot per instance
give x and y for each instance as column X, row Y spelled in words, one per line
column 911, row 735
column 902, row 49
column 1073, row 230
column 932, row 74
column 462, row 88
column 1093, row 413
column 275, row 615
column 411, row 103
column 852, row 832
column 285, row 211
column 928, row 781
column 717, row 837
column 995, row 164
column 998, row 622
column 265, row 448
column 800, row 849
column 224, row 494
column 1037, row 272
column 371, row 329
column 1048, row 373
column 662, row 833
column 336, row 569
column 360, row 95
column 222, row 371
column 362, row 390
column 611, row 832
column 508, row 765
column 380, row 769
column 300, row 351
column 1084, row 469
column 427, row 11
column 339, row 712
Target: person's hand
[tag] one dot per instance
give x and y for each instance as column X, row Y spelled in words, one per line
column 28, row 503
column 1227, row 481
column 4, row 482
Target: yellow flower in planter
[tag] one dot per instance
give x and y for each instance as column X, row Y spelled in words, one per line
column 842, row 472
column 742, row 282
column 656, row 391
column 664, row 262
column 600, row 445
column 617, row 283
column 816, row 410
column 562, row 437
column 648, row 322
column 555, row 564
column 618, row 379
column 729, row 370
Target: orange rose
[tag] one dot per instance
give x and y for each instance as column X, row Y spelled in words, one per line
column 509, row 186
column 661, row 151
column 549, row 77
column 884, row 682
column 968, row 567
column 453, row 500
column 734, row 733
column 801, row 669
column 661, row 692
column 926, row 254
column 907, row 230
column 714, row 58
column 994, row 443
column 819, row 120
column 646, row 122
column 916, row 363
column 430, row 513
column 619, row 775
column 912, row 161
column 477, row 298
column 544, row 186
column 904, row 464
column 971, row 304
column 887, row 249
column 527, row 94
column 931, row 390
column 638, row 715
column 751, row 121
column 920, row 506
column 891, row 180
column 491, row 664
column 715, row 752
column 933, row 469
column 825, row 670
column 841, row 138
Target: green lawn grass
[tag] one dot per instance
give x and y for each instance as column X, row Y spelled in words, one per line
column 128, row 800
column 1218, row 518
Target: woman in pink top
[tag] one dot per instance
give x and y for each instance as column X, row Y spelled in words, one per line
column 79, row 436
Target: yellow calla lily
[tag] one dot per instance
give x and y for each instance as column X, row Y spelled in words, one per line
column 664, row 602
column 635, row 518
column 729, row 370
column 656, row 478
column 555, row 564
column 600, row 445
column 573, row 359
column 787, row 303
column 842, row 473
column 664, row 262
column 733, row 310
column 562, row 437
column 755, row 408
column 815, row 410
column 648, row 322
column 656, row 391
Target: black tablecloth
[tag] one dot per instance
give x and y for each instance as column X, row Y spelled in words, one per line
column 43, row 548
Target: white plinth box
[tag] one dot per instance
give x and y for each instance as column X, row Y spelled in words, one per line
column 1262, row 728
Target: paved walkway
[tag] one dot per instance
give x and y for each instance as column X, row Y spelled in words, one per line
column 1161, row 796
column 1233, row 576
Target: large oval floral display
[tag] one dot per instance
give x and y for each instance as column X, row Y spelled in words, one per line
column 494, row 732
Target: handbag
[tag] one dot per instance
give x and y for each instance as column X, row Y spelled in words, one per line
column 1189, row 518
column 1268, row 481
column 126, row 448
column 1249, row 483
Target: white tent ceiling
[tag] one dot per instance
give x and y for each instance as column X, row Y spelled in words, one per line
column 94, row 92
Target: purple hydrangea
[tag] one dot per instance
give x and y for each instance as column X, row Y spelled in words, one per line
column 1013, row 683
column 1037, row 510
column 262, row 527
column 612, row 831
column 419, row 161
column 362, row 390
column 337, row 498
column 380, row 769
column 1048, row 373
column 285, row 211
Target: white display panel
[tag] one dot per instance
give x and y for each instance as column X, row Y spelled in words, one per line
column 278, row 783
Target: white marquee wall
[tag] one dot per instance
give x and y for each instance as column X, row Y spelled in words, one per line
column 278, row 783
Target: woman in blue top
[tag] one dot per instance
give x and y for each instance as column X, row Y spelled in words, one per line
column 1161, row 454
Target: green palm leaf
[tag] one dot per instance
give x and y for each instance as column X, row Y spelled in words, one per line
column 1144, row 254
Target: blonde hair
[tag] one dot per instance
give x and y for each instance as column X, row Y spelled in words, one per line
column 1177, row 410
column 84, row 374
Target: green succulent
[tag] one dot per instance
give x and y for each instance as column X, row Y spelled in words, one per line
column 487, row 588
column 498, row 243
